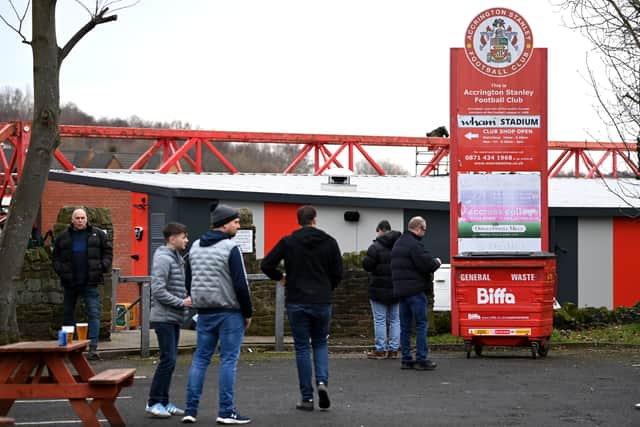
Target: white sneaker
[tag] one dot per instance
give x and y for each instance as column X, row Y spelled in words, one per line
column 188, row 419
column 174, row 410
column 157, row 410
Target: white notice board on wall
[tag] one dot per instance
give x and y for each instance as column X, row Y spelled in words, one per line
column 244, row 240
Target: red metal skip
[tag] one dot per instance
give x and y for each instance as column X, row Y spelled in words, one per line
column 505, row 301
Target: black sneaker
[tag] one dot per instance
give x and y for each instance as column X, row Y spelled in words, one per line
column 323, row 397
column 407, row 365
column 305, row 405
column 427, row 365
column 93, row 355
column 233, row 418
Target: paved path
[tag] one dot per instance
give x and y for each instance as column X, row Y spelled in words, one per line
column 503, row 388
column 128, row 342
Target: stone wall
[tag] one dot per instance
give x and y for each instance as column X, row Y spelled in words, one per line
column 40, row 295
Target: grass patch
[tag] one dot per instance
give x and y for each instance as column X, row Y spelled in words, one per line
column 615, row 334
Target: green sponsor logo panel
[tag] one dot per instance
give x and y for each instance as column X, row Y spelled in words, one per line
column 499, row 229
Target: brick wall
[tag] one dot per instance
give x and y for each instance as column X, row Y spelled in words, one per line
column 59, row 194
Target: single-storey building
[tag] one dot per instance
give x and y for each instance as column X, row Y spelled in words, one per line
column 592, row 222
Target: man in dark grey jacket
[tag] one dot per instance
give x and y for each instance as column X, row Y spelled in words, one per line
column 168, row 300
column 220, row 292
column 412, row 268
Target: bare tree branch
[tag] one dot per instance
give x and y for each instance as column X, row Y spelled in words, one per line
column 84, row 6
column 17, row 29
column 96, row 20
column 121, row 7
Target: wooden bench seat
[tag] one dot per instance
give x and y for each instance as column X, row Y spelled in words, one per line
column 113, row 376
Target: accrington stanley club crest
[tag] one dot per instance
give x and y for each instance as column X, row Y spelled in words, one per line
column 498, row 42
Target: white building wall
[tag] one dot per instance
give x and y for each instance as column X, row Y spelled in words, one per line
column 595, row 262
column 356, row 236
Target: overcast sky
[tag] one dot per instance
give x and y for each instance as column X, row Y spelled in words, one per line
column 332, row 66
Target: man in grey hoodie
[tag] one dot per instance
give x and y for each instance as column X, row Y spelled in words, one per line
column 220, row 292
column 168, row 300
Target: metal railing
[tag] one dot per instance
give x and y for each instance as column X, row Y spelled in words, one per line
column 145, row 306
column 144, row 302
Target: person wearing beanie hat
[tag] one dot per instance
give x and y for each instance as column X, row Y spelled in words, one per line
column 221, row 295
column 221, row 214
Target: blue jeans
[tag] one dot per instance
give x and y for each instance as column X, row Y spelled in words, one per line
column 168, row 336
column 381, row 314
column 91, row 296
column 228, row 328
column 413, row 308
column 310, row 322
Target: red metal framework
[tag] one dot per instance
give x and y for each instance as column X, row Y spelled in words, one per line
column 187, row 146
column 581, row 152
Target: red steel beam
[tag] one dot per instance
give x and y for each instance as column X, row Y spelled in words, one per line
column 372, row 162
column 303, row 153
column 226, row 163
column 6, row 130
column 249, row 137
column 166, row 139
column 440, row 154
column 326, row 164
column 596, row 168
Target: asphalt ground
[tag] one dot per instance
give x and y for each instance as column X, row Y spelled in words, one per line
column 591, row 387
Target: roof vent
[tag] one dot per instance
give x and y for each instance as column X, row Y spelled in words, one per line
column 338, row 179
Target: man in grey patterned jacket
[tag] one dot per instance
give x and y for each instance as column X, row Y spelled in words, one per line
column 220, row 292
column 168, row 300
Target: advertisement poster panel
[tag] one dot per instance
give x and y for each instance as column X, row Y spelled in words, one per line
column 499, row 212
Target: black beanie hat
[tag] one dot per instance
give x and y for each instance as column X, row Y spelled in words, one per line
column 221, row 214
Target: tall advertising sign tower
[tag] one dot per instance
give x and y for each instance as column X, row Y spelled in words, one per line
column 499, row 221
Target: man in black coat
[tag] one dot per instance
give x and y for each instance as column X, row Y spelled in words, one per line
column 313, row 267
column 81, row 255
column 384, row 305
column 412, row 268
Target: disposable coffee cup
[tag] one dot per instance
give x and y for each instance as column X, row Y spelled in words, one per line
column 69, row 331
column 82, row 329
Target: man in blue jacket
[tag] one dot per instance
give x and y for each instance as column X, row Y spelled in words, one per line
column 220, row 293
column 412, row 268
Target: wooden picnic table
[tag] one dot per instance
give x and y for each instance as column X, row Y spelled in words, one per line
column 22, row 376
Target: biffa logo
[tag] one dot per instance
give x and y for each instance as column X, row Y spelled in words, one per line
column 495, row 296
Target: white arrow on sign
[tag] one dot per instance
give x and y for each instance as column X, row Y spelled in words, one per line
column 471, row 135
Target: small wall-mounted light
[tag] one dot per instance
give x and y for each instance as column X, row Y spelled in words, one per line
column 352, row 216
column 138, row 232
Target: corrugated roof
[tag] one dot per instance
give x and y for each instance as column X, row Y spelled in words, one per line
column 563, row 192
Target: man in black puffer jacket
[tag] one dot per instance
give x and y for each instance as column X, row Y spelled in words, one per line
column 81, row 255
column 384, row 305
column 412, row 268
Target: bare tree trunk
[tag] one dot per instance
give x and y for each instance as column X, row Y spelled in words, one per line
column 44, row 139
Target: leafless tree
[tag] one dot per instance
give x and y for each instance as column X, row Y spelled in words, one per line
column 47, row 60
column 613, row 69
